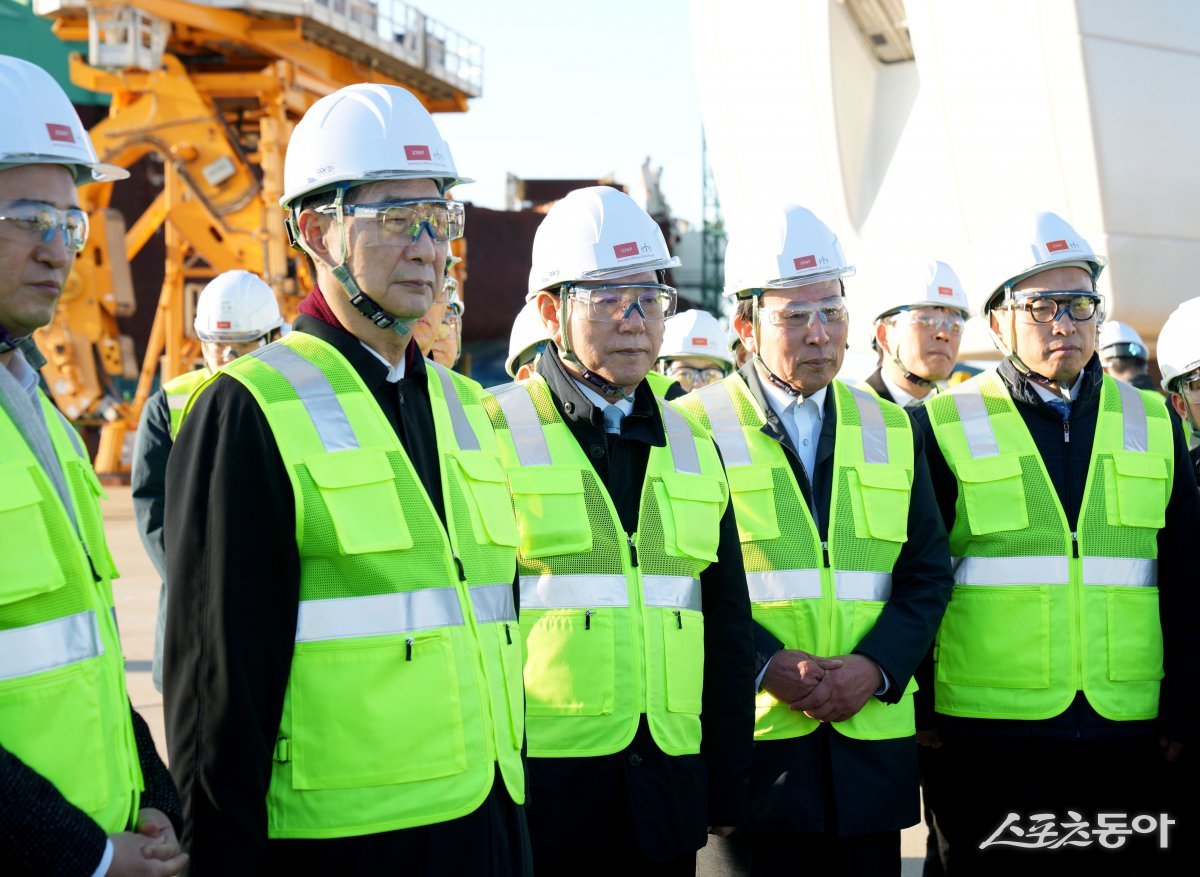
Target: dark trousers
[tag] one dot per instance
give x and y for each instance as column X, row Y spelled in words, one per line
column 787, row 854
column 930, row 761
column 984, row 781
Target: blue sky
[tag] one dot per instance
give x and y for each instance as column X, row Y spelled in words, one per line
column 576, row 89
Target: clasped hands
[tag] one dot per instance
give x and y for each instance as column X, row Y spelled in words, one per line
column 826, row 689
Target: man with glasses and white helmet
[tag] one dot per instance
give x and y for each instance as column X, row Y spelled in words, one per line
column 918, row 333
column 235, row 314
column 639, row 672
column 526, row 342
column 1179, row 363
column 447, row 346
column 846, row 564
column 343, row 662
column 695, row 351
column 82, row 789
column 1071, row 508
column 1124, row 355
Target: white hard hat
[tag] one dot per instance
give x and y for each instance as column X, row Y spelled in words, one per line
column 792, row 247
column 1121, row 339
column 1179, row 342
column 362, row 133
column 924, row 284
column 1050, row 243
column 528, row 330
column 596, row 233
column 236, row 306
column 695, row 333
column 38, row 125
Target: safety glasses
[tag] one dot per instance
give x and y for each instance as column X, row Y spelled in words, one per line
column 1188, row 386
column 1049, row 308
column 614, row 302
column 38, row 222
column 691, row 378
column 802, row 315
column 403, row 221
column 934, row 320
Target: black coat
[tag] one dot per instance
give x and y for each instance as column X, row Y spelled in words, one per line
column 1067, row 464
column 824, row 781
column 670, row 800
column 875, row 381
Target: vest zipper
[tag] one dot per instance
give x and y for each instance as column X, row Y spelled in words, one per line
column 587, row 618
column 1074, row 544
column 508, row 633
column 679, row 618
column 632, row 549
column 825, row 554
column 408, row 644
column 462, row 573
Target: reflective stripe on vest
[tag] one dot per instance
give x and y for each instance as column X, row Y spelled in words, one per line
column 1129, row 572
column 464, row 434
column 37, row 648
column 805, row 584
column 315, row 393
column 585, row 591
column 493, row 602
column 177, row 401
column 377, row 615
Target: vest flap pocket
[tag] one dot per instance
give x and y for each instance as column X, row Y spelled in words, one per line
column 691, row 507
column 994, row 494
column 570, row 667
column 552, row 516
column 1135, row 488
column 683, row 649
column 100, row 553
column 880, row 502
column 996, row 636
column 31, row 565
column 1135, row 645
column 752, row 489
column 492, row 511
column 359, row 492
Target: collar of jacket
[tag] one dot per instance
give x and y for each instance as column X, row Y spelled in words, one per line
column 875, row 381
column 1022, row 391
column 370, row 369
column 773, row 427
column 642, row 424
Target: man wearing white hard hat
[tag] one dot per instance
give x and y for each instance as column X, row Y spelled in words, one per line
column 846, row 564
column 918, row 332
column 526, row 342
column 1071, row 508
column 235, row 314
column 1179, row 363
column 695, row 351
column 82, row 789
column 639, row 671
column 342, row 668
column 447, row 347
column 1124, row 355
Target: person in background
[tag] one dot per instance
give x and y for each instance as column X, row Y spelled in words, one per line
column 694, row 351
column 1123, row 354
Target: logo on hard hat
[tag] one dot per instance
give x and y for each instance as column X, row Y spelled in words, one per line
column 1056, row 246
column 60, row 133
column 700, row 342
column 224, row 324
column 802, row 262
column 417, row 153
column 624, row 251
column 946, row 291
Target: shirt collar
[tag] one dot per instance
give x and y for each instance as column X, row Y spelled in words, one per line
column 23, row 373
column 781, row 401
column 902, row 397
column 395, row 372
column 625, row 403
column 1047, row 394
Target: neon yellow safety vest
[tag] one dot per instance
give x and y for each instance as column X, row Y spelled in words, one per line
column 614, row 621
column 178, row 390
column 405, row 686
column 63, row 706
column 659, row 384
column 823, row 597
column 1039, row 612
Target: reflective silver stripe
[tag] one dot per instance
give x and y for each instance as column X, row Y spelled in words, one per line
column 1049, row 570
column 683, row 443
column 573, row 592
column 856, row 585
column 50, row 644
column 972, row 411
column 783, row 584
column 524, row 425
column 74, row 436
column 726, row 428
column 874, row 433
column 676, row 592
column 319, row 399
column 378, row 615
column 1133, row 419
column 177, row 401
column 493, row 603
column 464, row 435
column 1126, row 572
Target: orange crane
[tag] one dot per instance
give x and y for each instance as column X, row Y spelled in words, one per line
column 212, row 89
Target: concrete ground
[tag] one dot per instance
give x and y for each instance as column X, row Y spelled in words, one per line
column 137, row 604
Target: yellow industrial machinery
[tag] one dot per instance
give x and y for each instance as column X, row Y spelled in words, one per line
column 212, row 89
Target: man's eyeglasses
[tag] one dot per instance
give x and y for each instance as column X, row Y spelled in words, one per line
column 39, row 222
column 1188, row 386
column 802, row 315
column 934, row 319
column 399, row 221
column 1081, row 306
column 691, row 378
column 613, row 303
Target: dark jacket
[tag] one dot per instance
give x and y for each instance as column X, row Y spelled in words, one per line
column 875, row 382
column 824, row 781
column 577, row 802
column 148, row 487
column 1067, row 463
column 231, row 626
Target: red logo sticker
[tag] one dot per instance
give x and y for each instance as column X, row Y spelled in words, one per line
column 60, row 133
column 417, row 153
column 624, row 251
column 1055, row 246
column 699, row 342
column 946, row 291
column 805, row 262
column 224, row 324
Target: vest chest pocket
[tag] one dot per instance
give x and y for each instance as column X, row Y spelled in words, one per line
column 552, row 515
column 994, row 493
column 359, row 492
column 491, row 509
column 1135, row 489
column 571, row 665
column 879, row 494
column 691, row 507
column 96, row 542
column 752, row 490
column 31, row 567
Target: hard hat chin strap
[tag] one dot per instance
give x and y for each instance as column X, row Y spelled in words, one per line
column 907, row 373
column 567, row 354
column 27, row 346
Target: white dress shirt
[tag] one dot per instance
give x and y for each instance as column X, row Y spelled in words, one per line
column 801, row 419
column 625, row 403
column 1047, row 394
column 902, row 397
column 395, row 372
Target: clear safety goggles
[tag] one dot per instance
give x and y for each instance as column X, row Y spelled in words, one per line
column 225, row 352
column 1049, row 307
column 38, row 222
column 452, row 321
column 934, row 319
column 1188, row 386
column 802, row 315
column 403, row 221
column 692, row 378
column 614, row 302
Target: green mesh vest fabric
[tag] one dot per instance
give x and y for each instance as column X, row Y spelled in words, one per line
column 178, row 391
